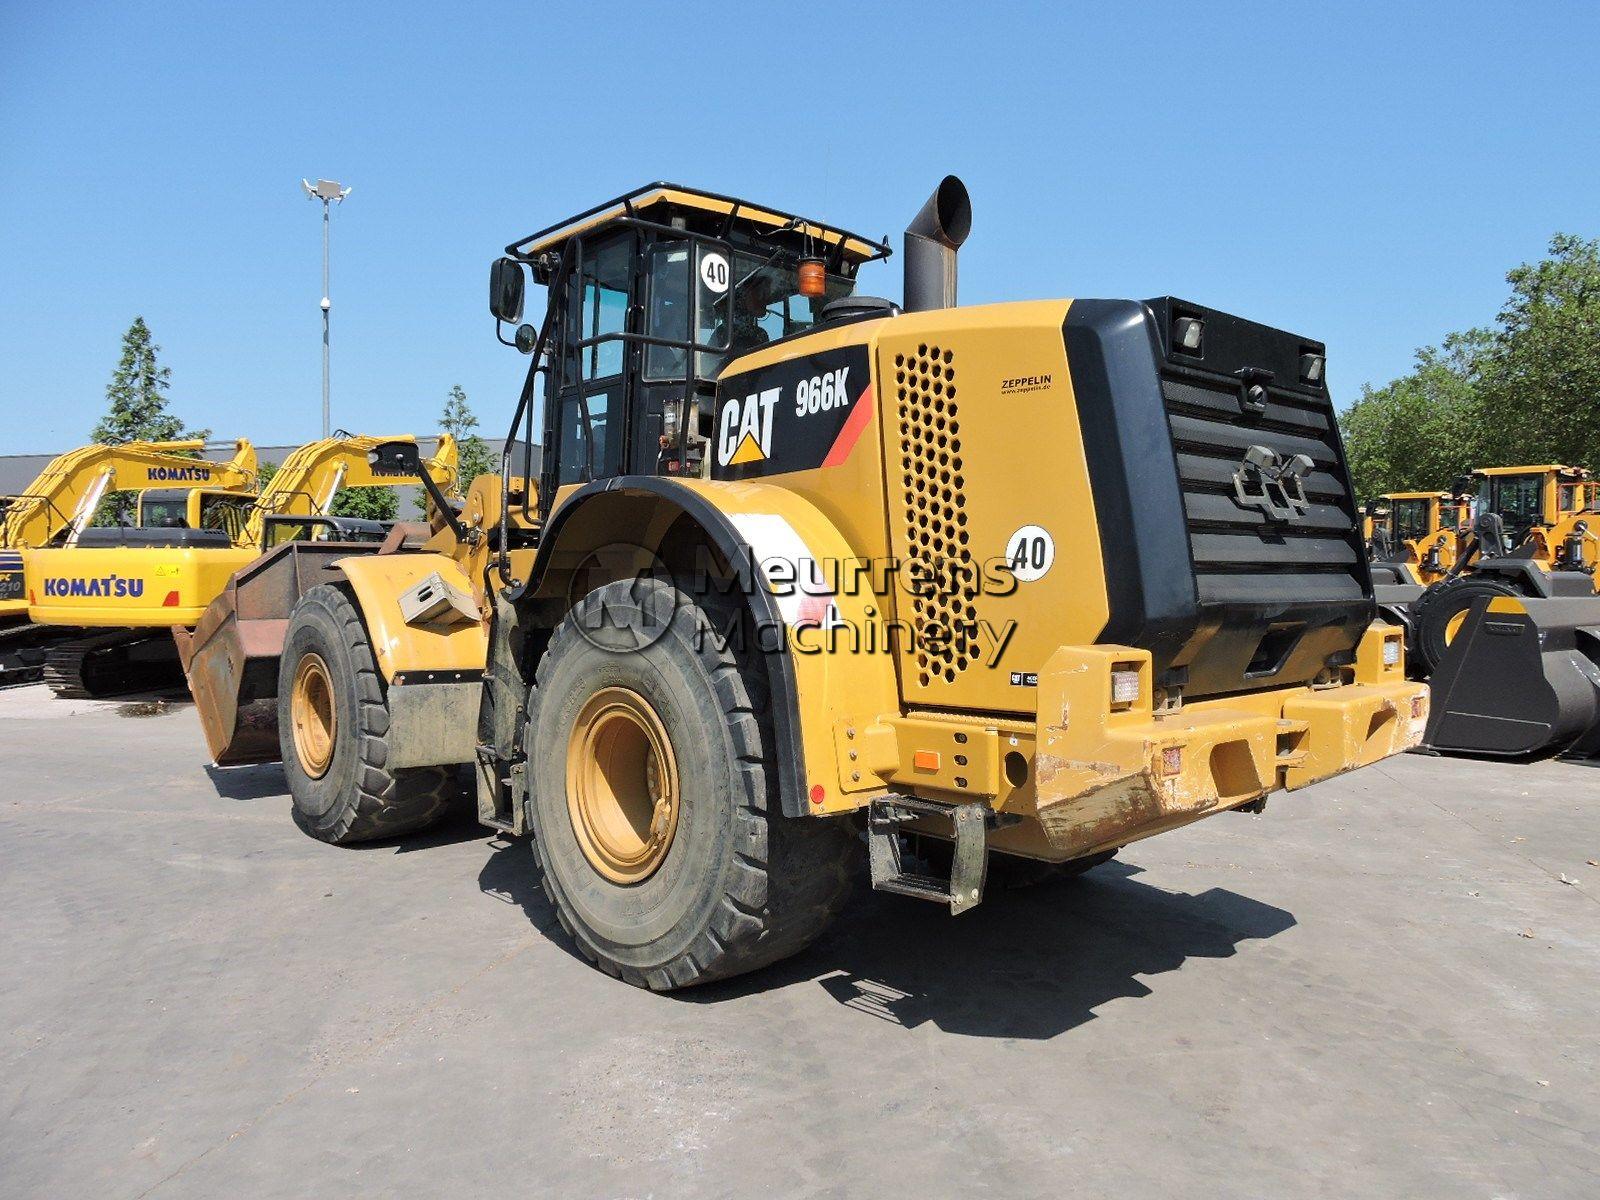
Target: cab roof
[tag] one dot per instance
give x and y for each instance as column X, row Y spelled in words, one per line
column 672, row 195
column 1574, row 472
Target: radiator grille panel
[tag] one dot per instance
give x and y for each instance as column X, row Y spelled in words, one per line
column 935, row 514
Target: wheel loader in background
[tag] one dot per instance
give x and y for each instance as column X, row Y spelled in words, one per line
column 1510, row 638
column 1024, row 581
column 124, row 589
column 1414, row 538
column 169, row 478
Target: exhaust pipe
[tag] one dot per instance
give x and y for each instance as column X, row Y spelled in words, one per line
column 932, row 239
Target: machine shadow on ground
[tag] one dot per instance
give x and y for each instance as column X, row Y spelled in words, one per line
column 1029, row 964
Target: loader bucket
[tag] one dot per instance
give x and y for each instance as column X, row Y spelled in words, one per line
column 1521, row 675
column 231, row 656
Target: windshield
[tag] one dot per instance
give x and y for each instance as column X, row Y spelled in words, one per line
column 1517, row 501
column 164, row 512
column 740, row 305
column 1410, row 519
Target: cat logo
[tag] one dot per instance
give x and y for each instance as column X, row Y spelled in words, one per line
column 744, row 431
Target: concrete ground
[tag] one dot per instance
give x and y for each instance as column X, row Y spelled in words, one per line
column 1385, row 986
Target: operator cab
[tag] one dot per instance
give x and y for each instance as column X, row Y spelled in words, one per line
column 192, row 508
column 648, row 297
column 1527, row 498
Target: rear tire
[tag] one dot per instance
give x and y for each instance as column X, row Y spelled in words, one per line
column 736, row 885
column 1434, row 614
column 333, row 729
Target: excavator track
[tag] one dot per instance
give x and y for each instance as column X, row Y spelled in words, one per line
column 112, row 663
column 23, row 648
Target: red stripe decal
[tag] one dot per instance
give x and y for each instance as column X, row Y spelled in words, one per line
column 851, row 433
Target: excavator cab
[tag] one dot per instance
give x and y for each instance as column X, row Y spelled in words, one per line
column 647, row 297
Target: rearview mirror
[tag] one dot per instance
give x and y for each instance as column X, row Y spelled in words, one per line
column 506, row 283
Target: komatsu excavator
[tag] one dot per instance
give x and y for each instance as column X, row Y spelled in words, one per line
column 125, row 589
column 59, row 505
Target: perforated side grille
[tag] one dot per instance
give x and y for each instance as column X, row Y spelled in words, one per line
column 943, row 584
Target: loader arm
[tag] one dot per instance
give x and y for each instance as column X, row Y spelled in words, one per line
column 67, row 492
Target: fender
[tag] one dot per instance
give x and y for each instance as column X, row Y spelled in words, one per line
column 750, row 523
column 412, row 650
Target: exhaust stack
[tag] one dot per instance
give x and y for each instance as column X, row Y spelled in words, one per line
column 932, row 240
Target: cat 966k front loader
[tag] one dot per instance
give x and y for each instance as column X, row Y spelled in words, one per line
column 992, row 589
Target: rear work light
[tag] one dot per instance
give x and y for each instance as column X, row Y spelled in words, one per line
column 1124, row 686
column 1186, row 334
column 1391, row 652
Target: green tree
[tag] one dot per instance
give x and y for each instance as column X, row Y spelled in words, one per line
column 1541, row 377
column 1525, row 391
column 373, row 503
column 137, row 395
column 1419, row 431
column 459, row 421
column 137, row 410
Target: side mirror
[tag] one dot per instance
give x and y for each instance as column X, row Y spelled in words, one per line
column 506, row 283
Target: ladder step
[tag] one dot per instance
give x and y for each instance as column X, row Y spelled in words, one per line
column 968, row 861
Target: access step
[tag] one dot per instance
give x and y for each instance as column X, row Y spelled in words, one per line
column 969, row 859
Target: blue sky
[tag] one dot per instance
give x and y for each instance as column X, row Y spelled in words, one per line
column 1360, row 174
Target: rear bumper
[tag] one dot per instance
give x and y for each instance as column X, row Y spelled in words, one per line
column 1104, row 778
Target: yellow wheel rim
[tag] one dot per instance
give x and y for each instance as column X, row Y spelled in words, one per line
column 622, row 785
column 316, row 719
column 1453, row 626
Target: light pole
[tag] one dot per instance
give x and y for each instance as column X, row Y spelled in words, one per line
column 328, row 192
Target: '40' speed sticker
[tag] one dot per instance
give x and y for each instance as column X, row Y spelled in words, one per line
column 1030, row 552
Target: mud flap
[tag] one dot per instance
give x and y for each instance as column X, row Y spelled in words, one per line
column 1521, row 675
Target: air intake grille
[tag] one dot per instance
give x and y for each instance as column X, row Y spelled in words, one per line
column 1240, row 555
column 943, row 587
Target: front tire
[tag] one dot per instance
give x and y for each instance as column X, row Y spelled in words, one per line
column 1437, row 614
column 653, row 800
column 333, row 731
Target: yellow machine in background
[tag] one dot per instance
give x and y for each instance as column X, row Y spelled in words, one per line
column 1416, row 537
column 1510, row 637
column 129, row 581
column 58, row 506
column 1002, row 588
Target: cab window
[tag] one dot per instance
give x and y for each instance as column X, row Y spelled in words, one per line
column 603, row 306
column 1410, row 519
column 1516, row 499
column 589, row 450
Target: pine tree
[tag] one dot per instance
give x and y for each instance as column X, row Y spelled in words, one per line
column 137, row 400
column 137, row 394
column 459, row 421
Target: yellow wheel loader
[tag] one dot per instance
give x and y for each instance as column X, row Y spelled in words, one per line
column 124, row 589
column 994, row 589
column 1510, row 637
column 1415, row 538
column 172, row 485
